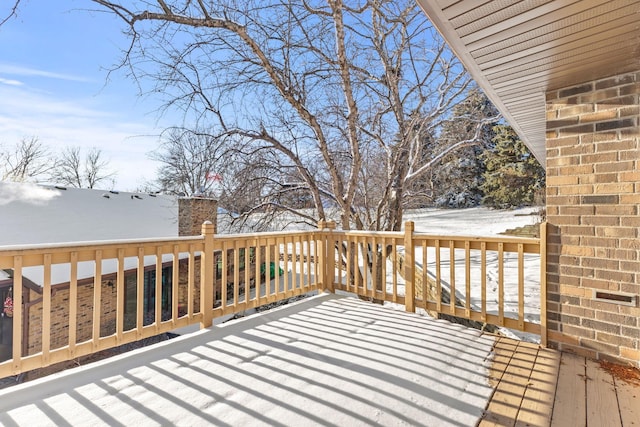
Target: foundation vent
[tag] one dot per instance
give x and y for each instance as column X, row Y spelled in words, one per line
column 620, row 298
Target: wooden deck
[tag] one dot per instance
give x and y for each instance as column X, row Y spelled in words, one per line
column 540, row 387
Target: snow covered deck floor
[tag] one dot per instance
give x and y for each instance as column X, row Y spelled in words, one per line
column 330, row 360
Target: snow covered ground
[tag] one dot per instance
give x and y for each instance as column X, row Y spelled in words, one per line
column 470, row 222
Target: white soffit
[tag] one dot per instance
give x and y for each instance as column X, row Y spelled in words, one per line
column 519, row 50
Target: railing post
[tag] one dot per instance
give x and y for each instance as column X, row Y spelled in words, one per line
column 409, row 268
column 325, row 256
column 543, row 284
column 322, row 256
column 206, row 275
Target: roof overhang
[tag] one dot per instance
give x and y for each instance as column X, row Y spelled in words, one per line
column 519, row 50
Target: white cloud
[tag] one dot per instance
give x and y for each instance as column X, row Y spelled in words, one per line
column 10, row 82
column 27, row 71
column 125, row 136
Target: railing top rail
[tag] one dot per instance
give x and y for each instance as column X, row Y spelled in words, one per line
column 70, row 246
column 492, row 239
column 263, row 235
column 368, row 233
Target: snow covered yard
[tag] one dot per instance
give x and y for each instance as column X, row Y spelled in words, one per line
column 326, row 360
column 483, row 222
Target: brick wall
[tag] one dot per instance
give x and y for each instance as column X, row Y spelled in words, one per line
column 84, row 331
column 60, row 316
column 593, row 211
column 192, row 212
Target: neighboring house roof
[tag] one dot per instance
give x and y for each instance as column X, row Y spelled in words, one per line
column 35, row 214
column 518, row 51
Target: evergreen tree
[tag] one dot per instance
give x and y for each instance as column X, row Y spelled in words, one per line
column 512, row 173
column 457, row 180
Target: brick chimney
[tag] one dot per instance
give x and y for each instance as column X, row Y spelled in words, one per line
column 193, row 211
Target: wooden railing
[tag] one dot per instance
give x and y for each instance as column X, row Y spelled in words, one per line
column 499, row 281
column 78, row 299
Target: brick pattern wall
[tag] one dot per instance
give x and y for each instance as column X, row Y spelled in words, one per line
column 60, row 316
column 593, row 211
column 84, row 331
column 192, row 212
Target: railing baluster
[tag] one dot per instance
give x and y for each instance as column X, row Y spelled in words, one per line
column 311, row 262
column 18, row 318
column 175, row 285
column 501, row 283
column 467, row 278
column 191, row 281
column 374, row 267
column 483, row 281
column 158, row 290
column 120, row 296
column 364, row 249
column 521, row 286
column 394, row 256
column 349, row 263
column 97, row 299
column 425, row 275
column 285, row 256
column 224, row 276
column 46, row 310
column 258, row 276
column 332, row 250
column 452, row 277
column 73, row 303
column 438, row 277
column 140, row 293
column 267, row 270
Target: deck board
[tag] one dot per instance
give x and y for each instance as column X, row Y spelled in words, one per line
column 602, row 404
column 538, row 399
column 536, row 386
column 507, row 398
column 628, row 402
column 569, row 407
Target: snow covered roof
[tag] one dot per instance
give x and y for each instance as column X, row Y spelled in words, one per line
column 38, row 214
column 33, row 214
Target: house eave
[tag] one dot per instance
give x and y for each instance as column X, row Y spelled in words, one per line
column 518, row 51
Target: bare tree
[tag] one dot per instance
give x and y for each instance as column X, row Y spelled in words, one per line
column 12, row 12
column 326, row 86
column 26, row 161
column 191, row 162
column 74, row 170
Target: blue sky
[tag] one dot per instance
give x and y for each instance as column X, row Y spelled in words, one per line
column 54, row 65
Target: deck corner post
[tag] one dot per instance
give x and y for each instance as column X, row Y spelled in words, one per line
column 543, row 284
column 409, row 267
column 206, row 275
